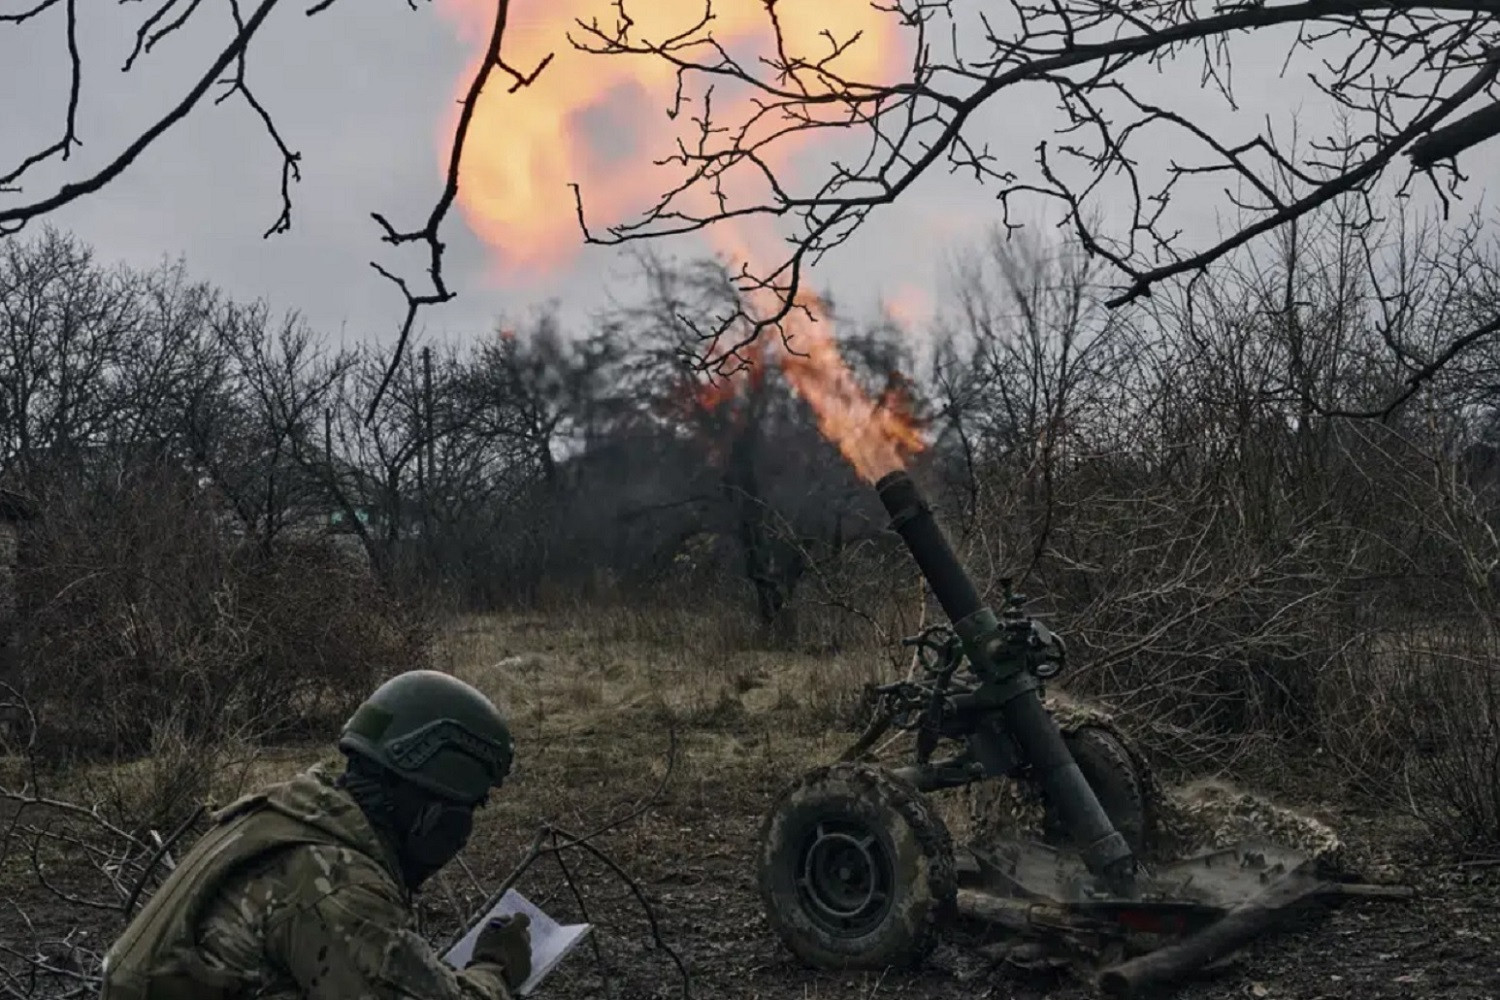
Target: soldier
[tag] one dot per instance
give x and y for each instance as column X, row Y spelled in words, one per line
column 304, row 889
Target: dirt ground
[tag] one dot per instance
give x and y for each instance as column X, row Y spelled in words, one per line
column 595, row 712
column 1442, row 945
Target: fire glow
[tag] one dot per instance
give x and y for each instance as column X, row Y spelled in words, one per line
column 876, row 435
column 524, row 148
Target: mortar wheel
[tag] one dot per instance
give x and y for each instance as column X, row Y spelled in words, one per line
column 856, row 869
column 1110, row 771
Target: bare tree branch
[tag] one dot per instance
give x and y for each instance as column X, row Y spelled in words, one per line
column 289, row 170
column 63, row 146
column 1401, row 70
column 428, row 234
column 13, row 218
column 1466, row 133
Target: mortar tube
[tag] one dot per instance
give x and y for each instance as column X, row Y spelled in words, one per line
column 912, row 519
column 1103, row 848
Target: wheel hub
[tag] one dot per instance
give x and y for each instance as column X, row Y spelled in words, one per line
column 844, row 878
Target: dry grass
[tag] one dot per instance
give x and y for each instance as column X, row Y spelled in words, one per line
column 575, row 675
column 592, row 695
column 592, row 699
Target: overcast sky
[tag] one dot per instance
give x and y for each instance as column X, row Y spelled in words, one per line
column 365, row 91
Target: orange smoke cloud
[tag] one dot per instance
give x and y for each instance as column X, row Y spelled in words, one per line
column 599, row 121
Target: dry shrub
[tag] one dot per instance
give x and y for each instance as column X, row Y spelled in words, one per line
column 1366, row 710
column 1208, row 637
column 1414, row 720
column 160, row 789
column 144, row 614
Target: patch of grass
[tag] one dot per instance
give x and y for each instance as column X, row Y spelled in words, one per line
column 593, row 696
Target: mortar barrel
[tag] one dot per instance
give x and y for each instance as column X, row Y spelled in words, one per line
column 1035, row 732
column 912, row 519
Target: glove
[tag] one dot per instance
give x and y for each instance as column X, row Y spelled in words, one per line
column 506, row 942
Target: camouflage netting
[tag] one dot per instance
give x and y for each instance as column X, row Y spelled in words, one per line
column 1196, row 817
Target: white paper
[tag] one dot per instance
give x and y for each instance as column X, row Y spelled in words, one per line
column 550, row 941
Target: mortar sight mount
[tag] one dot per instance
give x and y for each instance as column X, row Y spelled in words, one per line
column 946, row 702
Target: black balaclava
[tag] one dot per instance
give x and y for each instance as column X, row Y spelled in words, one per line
column 426, row 831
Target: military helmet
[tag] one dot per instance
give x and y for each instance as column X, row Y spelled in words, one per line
column 435, row 731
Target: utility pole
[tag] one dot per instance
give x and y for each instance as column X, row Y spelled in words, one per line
column 329, row 485
column 427, row 406
column 427, row 414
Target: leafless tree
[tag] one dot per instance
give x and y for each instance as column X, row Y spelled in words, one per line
column 758, row 477
column 255, row 408
column 1394, row 73
column 65, row 324
column 166, row 376
column 226, row 68
column 542, row 393
column 469, row 465
column 102, row 370
column 374, row 442
column 475, row 446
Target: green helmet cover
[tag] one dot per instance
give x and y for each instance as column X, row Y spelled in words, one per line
column 435, row 731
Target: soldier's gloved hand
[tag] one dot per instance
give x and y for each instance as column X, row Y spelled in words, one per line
column 506, row 942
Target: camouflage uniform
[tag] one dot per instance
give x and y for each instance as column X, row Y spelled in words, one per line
column 292, row 893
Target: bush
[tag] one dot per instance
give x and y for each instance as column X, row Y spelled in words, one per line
column 144, row 612
column 1418, row 727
